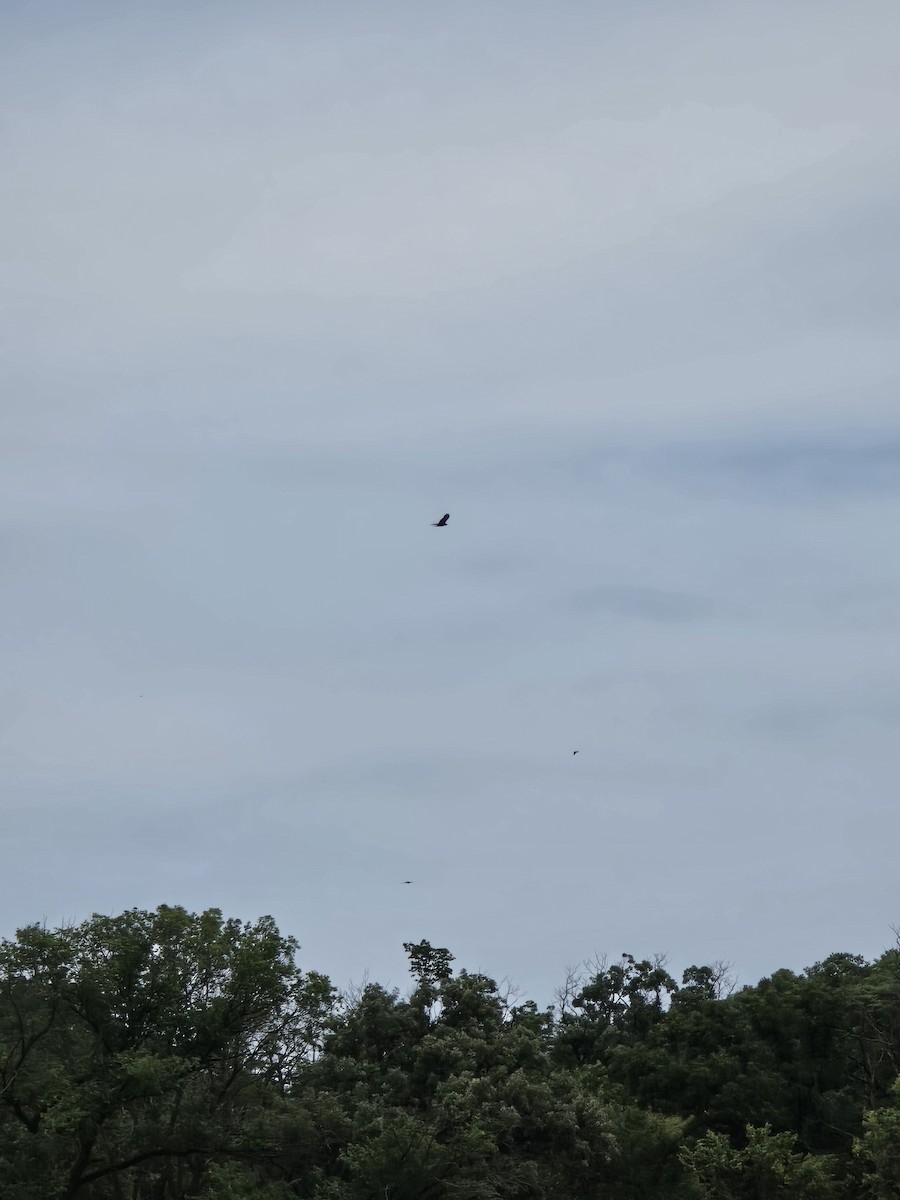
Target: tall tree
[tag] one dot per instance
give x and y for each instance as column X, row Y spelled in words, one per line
column 137, row 1050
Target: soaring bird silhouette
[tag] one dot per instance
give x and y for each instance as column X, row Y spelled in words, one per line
column 575, row 752
column 406, row 881
column 442, row 522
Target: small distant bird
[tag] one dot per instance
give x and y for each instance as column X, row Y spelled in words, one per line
column 406, row 881
column 442, row 522
column 576, row 751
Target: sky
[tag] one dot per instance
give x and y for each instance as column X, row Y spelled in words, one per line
column 615, row 284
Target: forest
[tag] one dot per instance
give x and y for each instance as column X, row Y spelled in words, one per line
column 165, row 1055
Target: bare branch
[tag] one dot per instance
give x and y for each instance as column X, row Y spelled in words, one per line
column 723, row 981
column 353, row 993
column 567, row 991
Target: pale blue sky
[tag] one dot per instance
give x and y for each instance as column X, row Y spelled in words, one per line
column 617, row 285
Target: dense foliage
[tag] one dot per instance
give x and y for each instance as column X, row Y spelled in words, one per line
column 165, row 1055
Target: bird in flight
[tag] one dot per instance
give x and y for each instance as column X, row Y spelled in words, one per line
column 442, row 522
column 406, row 881
column 576, row 751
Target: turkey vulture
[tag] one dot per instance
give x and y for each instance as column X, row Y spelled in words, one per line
column 442, row 522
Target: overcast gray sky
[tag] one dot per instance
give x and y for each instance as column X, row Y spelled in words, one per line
column 615, row 284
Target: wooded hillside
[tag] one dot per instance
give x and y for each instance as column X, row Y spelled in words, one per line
column 165, row 1055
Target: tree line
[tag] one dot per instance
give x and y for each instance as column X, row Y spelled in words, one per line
column 165, row 1055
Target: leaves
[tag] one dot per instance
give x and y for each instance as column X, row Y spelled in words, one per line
column 165, row 1055
column 136, row 1044
column 879, row 1149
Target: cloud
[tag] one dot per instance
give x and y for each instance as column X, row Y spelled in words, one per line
column 643, row 603
column 793, row 469
column 416, row 223
column 619, row 292
column 840, row 715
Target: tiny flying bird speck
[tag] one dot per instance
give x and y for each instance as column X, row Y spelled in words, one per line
column 442, row 522
column 576, row 751
column 406, row 881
